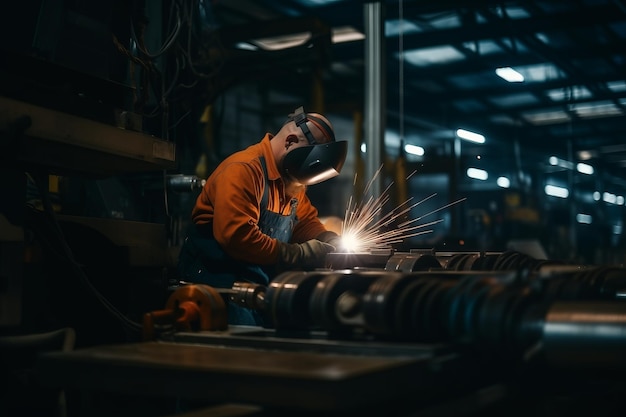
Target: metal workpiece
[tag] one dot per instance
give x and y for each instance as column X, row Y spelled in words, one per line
column 503, row 313
column 431, row 260
column 585, row 334
column 412, row 261
column 248, row 294
column 360, row 260
column 354, row 340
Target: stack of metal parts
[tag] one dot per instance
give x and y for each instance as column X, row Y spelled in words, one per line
column 444, row 334
column 508, row 304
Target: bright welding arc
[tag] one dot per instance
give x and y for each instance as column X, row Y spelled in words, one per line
column 363, row 221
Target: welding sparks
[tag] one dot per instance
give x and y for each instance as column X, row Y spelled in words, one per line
column 363, row 224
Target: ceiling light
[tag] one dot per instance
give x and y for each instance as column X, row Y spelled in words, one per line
column 471, row 136
column 554, row 161
column 394, row 27
column 510, row 75
column 584, row 218
column 283, row 42
column 546, row 117
column 414, row 150
column 435, row 55
column 346, row 34
column 584, row 168
column 503, row 182
column 576, row 92
column 596, row 109
column 609, row 197
column 477, row 174
column 555, row 191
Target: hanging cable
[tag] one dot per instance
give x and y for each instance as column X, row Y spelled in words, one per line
column 401, row 74
column 131, row 326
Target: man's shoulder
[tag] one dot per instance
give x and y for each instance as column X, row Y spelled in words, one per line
column 248, row 157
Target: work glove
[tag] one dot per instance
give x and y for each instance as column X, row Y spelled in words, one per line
column 310, row 254
column 331, row 238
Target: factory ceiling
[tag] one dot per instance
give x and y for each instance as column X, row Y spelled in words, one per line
column 444, row 66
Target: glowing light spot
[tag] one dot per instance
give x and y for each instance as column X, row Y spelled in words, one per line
column 366, row 227
column 350, row 242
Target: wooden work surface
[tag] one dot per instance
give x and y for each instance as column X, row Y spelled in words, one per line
column 268, row 377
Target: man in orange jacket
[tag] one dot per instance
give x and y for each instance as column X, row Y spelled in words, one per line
column 253, row 218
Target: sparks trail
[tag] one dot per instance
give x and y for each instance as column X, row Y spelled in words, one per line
column 363, row 221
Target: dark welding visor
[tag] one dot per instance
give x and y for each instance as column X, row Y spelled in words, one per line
column 316, row 163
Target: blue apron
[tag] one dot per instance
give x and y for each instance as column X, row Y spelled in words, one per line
column 202, row 259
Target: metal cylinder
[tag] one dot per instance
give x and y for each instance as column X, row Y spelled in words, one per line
column 249, row 295
column 587, row 334
column 185, row 183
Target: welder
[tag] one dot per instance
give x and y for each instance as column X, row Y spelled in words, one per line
column 253, row 218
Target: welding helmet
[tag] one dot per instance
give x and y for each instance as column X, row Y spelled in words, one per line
column 316, row 162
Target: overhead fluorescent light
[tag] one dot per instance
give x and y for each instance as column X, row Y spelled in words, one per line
column 596, row 109
column 471, row 136
column 275, row 43
column 477, row 174
column 414, row 150
column 434, row 55
column 282, row 42
column 555, row 191
column 584, row 168
column 541, row 72
column 584, row 218
column 503, row 182
column 509, row 74
column 562, row 163
column 577, row 92
column 554, row 161
column 394, row 27
column 609, row 197
column 546, row 117
column 346, row 34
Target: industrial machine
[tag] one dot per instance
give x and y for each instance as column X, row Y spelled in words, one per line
column 421, row 331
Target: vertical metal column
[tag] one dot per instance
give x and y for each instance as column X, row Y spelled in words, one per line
column 375, row 103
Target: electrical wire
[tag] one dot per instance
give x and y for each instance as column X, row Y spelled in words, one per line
column 130, row 325
column 401, row 72
column 169, row 42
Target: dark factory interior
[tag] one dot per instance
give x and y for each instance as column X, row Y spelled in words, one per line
column 488, row 134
